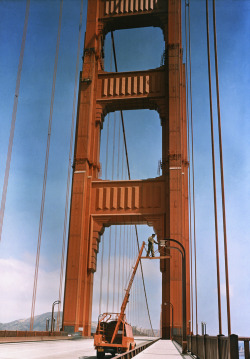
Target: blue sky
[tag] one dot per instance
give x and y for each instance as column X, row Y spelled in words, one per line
column 20, row 231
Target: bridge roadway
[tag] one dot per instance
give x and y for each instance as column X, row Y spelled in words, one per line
column 81, row 349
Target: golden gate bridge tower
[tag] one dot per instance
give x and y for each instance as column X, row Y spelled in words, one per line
column 161, row 202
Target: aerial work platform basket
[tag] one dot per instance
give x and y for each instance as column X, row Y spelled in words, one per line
column 159, row 253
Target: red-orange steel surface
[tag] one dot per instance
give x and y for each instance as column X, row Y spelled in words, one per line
column 161, row 202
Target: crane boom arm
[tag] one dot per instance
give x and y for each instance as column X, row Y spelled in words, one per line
column 127, row 293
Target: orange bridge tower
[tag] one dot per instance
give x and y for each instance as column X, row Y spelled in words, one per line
column 161, row 202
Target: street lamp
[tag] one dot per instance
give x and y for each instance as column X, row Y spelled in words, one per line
column 52, row 314
column 203, row 328
column 47, row 324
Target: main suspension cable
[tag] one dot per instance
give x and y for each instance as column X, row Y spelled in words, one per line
column 222, row 173
column 13, row 121
column 45, row 171
column 214, row 172
column 69, row 167
column 189, row 175
column 128, row 169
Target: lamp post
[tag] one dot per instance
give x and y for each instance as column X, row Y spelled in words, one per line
column 184, row 313
column 203, row 328
column 47, row 324
column 52, row 314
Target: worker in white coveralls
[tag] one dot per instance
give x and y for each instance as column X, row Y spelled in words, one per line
column 151, row 242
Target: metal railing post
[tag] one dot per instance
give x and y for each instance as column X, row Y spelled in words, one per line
column 233, row 346
column 246, row 349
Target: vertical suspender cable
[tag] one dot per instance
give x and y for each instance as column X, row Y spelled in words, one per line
column 113, row 304
column 127, row 264
column 143, row 283
column 45, row 170
column 108, row 270
column 119, row 272
column 214, row 174
column 192, row 151
column 119, row 265
column 69, row 166
column 101, row 276
column 222, row 173
column 113, row 157
column 189, row 176
column 128, row 169
column 113, row 168
column 13, row 121
column 107, row 151
column 123, row 262
column 106, row 174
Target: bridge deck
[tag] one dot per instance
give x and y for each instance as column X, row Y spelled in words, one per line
column 55, row 349
column 161, row 349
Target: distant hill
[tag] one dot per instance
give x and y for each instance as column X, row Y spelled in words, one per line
column 40, row 324
column 24, row 324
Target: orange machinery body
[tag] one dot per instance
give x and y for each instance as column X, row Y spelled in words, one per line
column 124, row 339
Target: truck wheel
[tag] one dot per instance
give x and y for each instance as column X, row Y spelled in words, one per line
column 100, row 355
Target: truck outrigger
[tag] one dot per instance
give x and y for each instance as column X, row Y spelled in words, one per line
column 113, row 333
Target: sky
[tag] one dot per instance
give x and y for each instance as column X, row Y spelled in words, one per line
column 143, row 131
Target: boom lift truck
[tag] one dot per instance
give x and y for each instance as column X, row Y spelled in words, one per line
column 113, row 333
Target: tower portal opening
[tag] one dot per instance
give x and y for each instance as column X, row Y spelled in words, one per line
column 133, row 55
column 118, row 251
column 144, row 145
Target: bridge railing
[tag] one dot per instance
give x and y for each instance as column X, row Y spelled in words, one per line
column 246, row 346
column 215, row 347
column 27, row 333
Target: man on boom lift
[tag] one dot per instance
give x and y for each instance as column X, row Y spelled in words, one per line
column 151, row 242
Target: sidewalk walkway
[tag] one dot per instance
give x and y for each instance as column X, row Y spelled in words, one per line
column 161, row 349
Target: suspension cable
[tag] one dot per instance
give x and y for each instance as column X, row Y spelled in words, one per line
column 221, row 172
column 123, row 261
column 113, row 304
column 69, row 167
column 214, row 172
column 189, row 175
column 13, row 121
column 45, row 171
column 192, row 152
column 107, row 151
column 120, row 240
column 121, row 112
column 110, row 231
column 101, row 276
column 113, row 168
column 119, row 272
column 128, row 169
